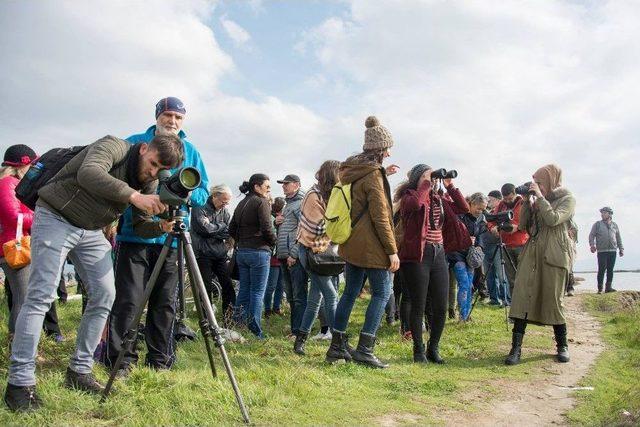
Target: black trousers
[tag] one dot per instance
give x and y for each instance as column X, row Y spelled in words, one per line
column 134, row 264
column 427, row 283
column 606, row 262
column 50, row 324
column 403, row 302
column 210, row 267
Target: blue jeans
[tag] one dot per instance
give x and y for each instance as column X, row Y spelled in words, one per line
column 464, row 276
column 380, row 283
column 498, row 290
column 52, row 240
column 295, row 286
column 273, row 294
column 253, row 266
column 322, row 288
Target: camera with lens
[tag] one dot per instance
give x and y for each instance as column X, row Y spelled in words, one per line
column 444, row 174
column 175, row 189
column 503, row 219
column 524, row 189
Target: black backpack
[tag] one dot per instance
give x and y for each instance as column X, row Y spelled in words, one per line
column 41, row 172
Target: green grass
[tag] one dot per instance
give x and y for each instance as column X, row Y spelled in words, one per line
column 280, row 387
column 616, row 375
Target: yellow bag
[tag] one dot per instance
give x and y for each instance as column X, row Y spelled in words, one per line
column 17, row 252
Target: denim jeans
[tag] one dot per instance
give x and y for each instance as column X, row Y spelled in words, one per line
column 52, row 240
column 380, row 283
column 253, row 266
column 464, row 276
column 273, row 294
column 295, row 281
column 496, row 280
column 322, row 288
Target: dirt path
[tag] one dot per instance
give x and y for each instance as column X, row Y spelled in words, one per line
column 545, row 399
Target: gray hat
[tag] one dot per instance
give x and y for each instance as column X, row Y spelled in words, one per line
column 376, row 136
column 607, row 209
column 289, row 178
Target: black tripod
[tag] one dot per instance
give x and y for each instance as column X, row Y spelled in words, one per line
column 502, row 274
column 183, row 331
column 207, row 320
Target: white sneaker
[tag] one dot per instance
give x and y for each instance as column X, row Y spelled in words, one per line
column 327, row 336
column 318, row 336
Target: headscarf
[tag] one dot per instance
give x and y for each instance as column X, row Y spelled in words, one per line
column 550, row 176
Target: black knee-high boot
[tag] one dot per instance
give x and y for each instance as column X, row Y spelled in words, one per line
column 519, row 326
column 562, row 347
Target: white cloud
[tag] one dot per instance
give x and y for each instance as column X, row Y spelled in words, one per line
column 236, row 33
column 497, row 91
column 70, row 76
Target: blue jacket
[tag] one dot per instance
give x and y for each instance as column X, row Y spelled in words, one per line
column 198, row 196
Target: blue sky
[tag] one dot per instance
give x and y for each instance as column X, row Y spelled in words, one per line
column 494, row 89
column 269, row 62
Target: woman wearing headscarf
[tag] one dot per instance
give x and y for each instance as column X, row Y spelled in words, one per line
column 545, row 262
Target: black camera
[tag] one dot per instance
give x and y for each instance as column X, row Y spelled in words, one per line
column 502, row 219
column 175, row 189
column 443, row 174
column 524, row 189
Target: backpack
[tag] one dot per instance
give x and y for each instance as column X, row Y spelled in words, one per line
column 338, row 213
column 41, row 172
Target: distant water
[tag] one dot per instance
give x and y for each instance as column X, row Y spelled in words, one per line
column 621, row 281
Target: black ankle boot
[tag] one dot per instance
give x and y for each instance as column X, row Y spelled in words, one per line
column 339, row 348
column 298, row 345
column 418, row 353
column 516, row 349
column 82, row 382
column 21, row 399
column 562, row 347
column 433, row 354
column 363, row 354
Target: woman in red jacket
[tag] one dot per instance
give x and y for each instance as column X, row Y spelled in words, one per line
column 15, row 164
column 430, row 228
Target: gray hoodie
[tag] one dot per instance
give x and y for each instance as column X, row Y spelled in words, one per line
column 287, row 244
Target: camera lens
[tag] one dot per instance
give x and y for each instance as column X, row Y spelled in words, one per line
column 189, row 178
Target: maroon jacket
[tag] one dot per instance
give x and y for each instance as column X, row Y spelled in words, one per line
column 414, row 211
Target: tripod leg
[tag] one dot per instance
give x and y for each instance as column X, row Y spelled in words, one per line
column 503, row 281
column 132, row 332
column 202, row 321
column 197, row 281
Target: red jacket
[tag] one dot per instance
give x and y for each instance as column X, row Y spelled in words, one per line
column 518, row 238
column 414, row 211
column 10, row 207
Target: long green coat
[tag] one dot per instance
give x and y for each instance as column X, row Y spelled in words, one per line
column 545, row 263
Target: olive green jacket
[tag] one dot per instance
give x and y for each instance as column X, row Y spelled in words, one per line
column 91, row 193
column 545, row 262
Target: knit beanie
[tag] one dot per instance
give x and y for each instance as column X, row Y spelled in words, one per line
column 170, row 104
column 18, row 155
column 376, row 136
column 416, row 172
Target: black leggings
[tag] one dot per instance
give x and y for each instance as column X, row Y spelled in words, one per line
column 427, row 282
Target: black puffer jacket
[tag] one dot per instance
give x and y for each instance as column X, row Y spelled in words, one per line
column 210, row 229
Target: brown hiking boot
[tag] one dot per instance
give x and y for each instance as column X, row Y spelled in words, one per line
column 82, row 382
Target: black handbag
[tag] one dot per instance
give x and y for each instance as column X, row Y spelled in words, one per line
column 327, row 263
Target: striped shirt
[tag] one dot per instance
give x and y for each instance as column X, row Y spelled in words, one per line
column 434, row 234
